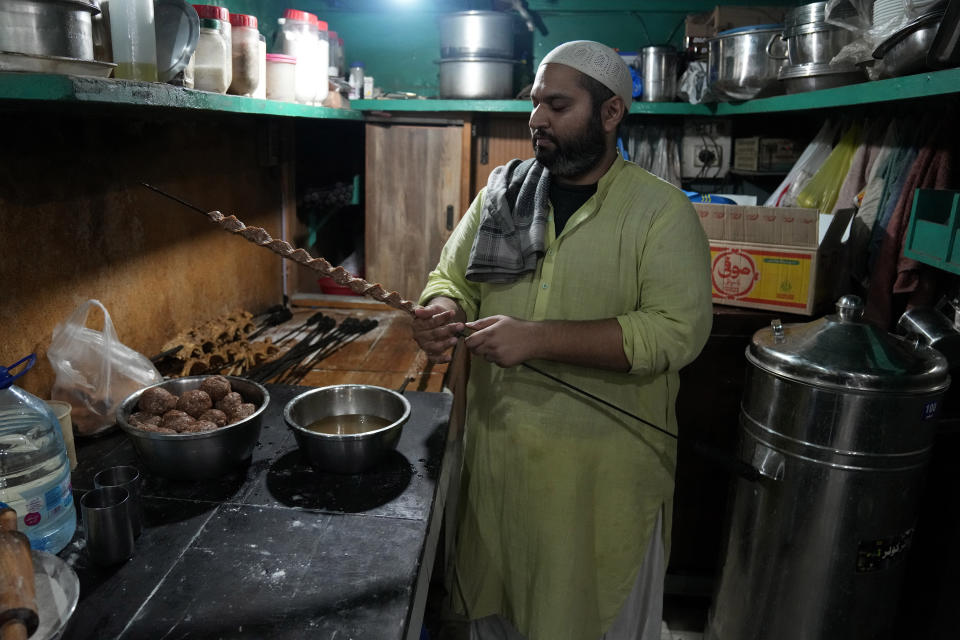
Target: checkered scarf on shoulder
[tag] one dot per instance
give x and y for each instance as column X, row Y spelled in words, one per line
column 513, row 223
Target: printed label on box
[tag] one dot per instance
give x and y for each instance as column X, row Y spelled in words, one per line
column 781, row 278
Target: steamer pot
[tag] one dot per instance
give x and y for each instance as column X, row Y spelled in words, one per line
column 478, row 34
column 476, row 78
column 62, row 28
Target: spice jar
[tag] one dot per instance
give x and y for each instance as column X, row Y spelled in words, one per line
column 245, row 54
column 334, row 41
column 210, row 58
column 222, row 16
column 281, row 77
column 323, row 60
column 356, row 81
column 297, row 37
column 261, row 91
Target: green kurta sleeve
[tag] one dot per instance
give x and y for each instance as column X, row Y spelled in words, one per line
column 448, row 279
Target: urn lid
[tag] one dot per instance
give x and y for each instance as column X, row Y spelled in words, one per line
column 843, row 351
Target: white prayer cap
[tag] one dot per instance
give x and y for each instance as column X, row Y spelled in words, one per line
column 598, row 61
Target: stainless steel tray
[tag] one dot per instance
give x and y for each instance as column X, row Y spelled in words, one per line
column 12, row 61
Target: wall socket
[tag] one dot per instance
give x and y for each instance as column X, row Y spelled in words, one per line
column 705, row 148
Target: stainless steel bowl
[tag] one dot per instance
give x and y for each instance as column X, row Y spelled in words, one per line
column 798, row 78
column 476, row 78
column 905, row 52
column 62, row 28
column 195, row 456
column 813, row 44
column 739, row 67
column 347, row 453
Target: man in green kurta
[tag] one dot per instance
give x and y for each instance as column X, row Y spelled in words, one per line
column 595, row 272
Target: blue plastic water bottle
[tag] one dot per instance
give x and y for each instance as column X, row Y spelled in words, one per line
column 34, row 468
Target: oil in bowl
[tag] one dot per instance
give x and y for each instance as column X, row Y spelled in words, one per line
column 348, row 424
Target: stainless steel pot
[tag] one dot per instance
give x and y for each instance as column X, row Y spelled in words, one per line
column 477, row 34
column 797, row 78
column 476, row 78
column 838, row 419
column 739, row 67
column 658, row 69
column 48, row 27
column 817, row 43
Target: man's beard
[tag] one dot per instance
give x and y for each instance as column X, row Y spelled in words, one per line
column 576, row 155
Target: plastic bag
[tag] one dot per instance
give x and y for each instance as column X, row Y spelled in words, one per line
column 95, row 371
column 816, row 153
column 824, row 187
column 872, row 22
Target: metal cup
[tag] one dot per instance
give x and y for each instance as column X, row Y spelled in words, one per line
column 129, row 478
column 106, row 520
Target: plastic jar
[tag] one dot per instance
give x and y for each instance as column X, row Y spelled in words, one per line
column 341, row 58
column 34, row 466
column 222, row 16
column 132, row 36
column 261, row 91
column 356, row 80
column 297, row 37
column 334, row 41
column 323, row 61
column 245, row 54
column 281, row 77
column 210, row 58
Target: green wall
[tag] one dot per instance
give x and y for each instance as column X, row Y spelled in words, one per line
column 399, row 42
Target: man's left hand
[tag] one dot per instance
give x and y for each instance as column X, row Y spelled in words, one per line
column 502, row 340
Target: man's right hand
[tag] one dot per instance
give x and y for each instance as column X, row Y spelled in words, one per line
column 437, row 326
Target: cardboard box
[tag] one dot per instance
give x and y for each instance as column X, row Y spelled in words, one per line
column 700, row 27
column 765, row 155
column 779, row 259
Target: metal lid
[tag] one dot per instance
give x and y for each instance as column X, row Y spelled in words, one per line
column 177, row 29
column 756, row 28
column 841, row 351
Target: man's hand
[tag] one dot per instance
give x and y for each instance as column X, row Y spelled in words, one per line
column 503, row 340
column 436, row 328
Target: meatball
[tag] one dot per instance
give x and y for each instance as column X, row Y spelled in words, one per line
column 227, row 402
column 215, row 416
column 180, row 424
column 170, row 416
column 198, row 426
column 216, row 387
column 157, row 401
column 241, row 411
column 194, row 402
column 142, row 417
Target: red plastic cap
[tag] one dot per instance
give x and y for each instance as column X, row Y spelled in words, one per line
column 332, row 34
column 302, row 16
column 321, row 25
column 243, row 20
column 281, row 57
column 212, row 12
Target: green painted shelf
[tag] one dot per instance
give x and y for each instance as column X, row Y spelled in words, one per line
column 59, row 88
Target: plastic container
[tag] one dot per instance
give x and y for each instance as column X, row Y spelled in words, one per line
column 133, row 40
column 261, row 90
column 297, row 37
column 281, row 77
column 222, row 16
column 356, row 80
column 210, row 58
column 34, row 466
column 245, row 53
column 323, row 62
column 333, row 40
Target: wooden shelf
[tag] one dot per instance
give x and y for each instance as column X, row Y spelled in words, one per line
column 151, row 95
column 60, row 88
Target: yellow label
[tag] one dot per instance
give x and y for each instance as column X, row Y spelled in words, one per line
column 765, row 276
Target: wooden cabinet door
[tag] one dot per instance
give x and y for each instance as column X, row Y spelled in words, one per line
column 412, row 201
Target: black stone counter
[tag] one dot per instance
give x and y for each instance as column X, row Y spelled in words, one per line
column 275, row 549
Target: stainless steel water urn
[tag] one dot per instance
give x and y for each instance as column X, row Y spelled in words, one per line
column 838, row 418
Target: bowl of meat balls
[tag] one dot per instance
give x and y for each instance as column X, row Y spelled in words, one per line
column 346, row 428
column 195, row 427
